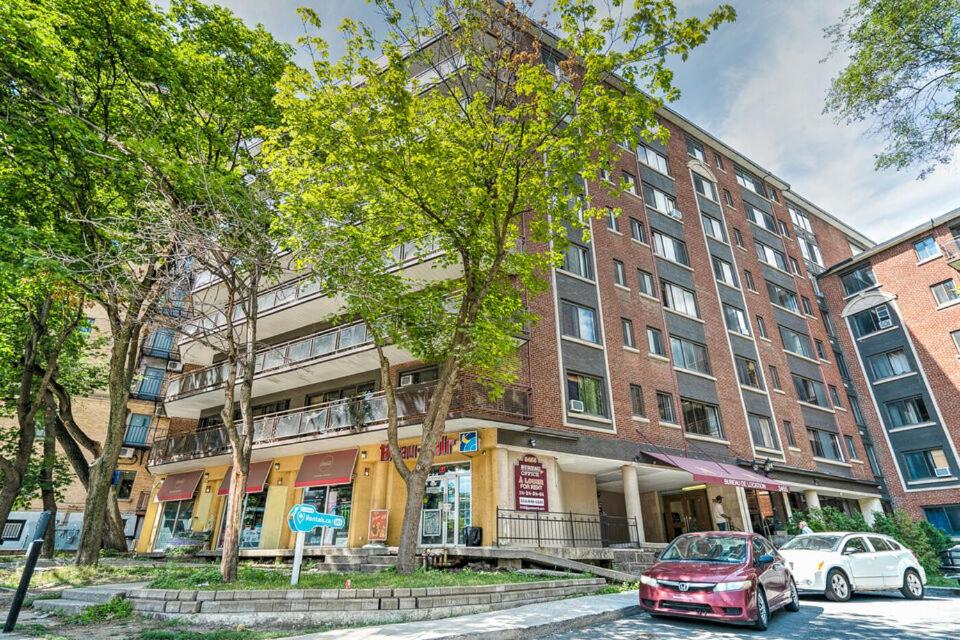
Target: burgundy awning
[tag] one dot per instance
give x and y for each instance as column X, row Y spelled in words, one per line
column 322, row 469
column 256, row 478
column 179, row 486
column 712, row 472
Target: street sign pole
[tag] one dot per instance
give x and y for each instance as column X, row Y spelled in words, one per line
column 297, row 558
column 32, row 554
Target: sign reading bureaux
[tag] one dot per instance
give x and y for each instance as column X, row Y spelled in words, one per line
column 530, row 484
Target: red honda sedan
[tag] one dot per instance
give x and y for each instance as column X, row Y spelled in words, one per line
column 722, row 576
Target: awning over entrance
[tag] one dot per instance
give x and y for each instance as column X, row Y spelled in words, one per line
column 179, row 486
column 719, row 473
column 323, row 469
column 256, row 478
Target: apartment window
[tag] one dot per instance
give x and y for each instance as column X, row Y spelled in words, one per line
column 889, row 364
column 763, row 432
column 619, row 273
column 872, row 320
column 689, row 355
column 636, row 400
column 956, row 339
column 727, row 197
column 783, row 297
column 655, row 341
column 612, row 222
column 810, row 391
column 748, row 373
column 858, row 280
column 872, row 459
column 799, row 218
column 762, row 327
column 695, row 149
column 784, row 229
column 926, row 248
column 748, row 181
column 576, row 260
column 907, row 412
column 834, row 396
column 945, row 292
column 724, row 272
column 810, row 250
column 645, row 283
column 578, row 322
column 820, row 351
column 926, row 464
column 791, row 436
column 795, row 342
column 653, row 159
column 856, row 410
column 775, row 378
column 773, row 195
column 738, row 237
column 749, row 278
column 713, row 228
column 851, row 447
column 704, row 187
column 660, row 201
column 670, row 248
column 138, row 426
column 626, row 325
column 805, row 304
column 855, row 249
column 825, row 444
column 770, row 256
column 124, row 486
column 665, row 408
column 736, row 320
column 679, row 299
column 828, row 323
column 630, row 182
column 407, row 378
column 701, row 418
column 586, row 394
column 719, row 160
column 605, row 174
column 760, row 218
column 794, row 265
column 637, row 231
column 841, row 364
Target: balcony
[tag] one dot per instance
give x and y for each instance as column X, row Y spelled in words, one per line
column 360, row 415
column 951, row 252
column 137, row 436
column 150, row 388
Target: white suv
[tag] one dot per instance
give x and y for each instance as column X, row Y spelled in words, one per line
column 838, row 564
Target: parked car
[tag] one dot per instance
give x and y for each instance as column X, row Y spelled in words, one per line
column 838, row 564
column 722, row 576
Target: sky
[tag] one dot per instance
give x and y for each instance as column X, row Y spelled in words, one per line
column 759, row 85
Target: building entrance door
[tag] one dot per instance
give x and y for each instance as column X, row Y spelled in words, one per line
column 686, row 512
column 446, row 506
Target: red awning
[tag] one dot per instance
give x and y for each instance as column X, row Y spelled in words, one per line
column 322, row 469
column 712, row 472
column 179, row 486
column 256, row 478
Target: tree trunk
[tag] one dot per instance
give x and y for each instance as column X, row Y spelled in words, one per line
column 12, row 480
column 230, row 557
column 410, row 527
column 114, row 536
column 47, row 493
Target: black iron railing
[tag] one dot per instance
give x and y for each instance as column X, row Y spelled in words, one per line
column 564, row 529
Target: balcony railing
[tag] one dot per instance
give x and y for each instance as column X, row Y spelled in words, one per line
column 148, row 389
column 951, row 252
column 564, row 529
column 137, row 435
column 357, row 414
column 297, row 352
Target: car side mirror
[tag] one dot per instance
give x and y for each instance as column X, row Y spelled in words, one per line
column 657, row 554
column 765, row 559
column 848, row 552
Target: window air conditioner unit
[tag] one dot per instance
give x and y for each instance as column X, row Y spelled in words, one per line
column 675, row 213
column 942, row 472
column 127, row 452
column 886, row 323
column 406, row 380
column 576, row 406
column 174, row 366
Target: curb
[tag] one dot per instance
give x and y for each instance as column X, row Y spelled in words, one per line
column 946, row 592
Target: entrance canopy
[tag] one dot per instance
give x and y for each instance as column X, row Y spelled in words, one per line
column 712, row 472
column 179, row 486
column 256, row 478
column 324, row 469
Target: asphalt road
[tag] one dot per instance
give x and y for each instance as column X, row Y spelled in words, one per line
column 864, row 617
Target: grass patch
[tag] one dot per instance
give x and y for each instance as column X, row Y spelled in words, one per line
column 940, row 581
column 618, row 587
column 73, row 576
column 115, row 609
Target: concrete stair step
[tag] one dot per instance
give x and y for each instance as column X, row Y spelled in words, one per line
column 89, row 594
column 64, row 605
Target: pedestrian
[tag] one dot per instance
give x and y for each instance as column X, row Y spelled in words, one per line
column 805, row 528
column 723, row 520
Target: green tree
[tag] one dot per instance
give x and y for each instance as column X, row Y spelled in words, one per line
column 473, row 147
column 903, row 75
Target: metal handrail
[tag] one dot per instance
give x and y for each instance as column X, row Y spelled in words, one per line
column 565, row 528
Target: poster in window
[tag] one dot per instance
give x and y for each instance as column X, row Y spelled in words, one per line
column 530, row 484
column 377, row 531
column 431, row 522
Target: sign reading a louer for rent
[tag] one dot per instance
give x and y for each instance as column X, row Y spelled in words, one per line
column 530, row 484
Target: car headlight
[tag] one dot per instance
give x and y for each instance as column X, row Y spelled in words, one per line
column 648, row 580
column 737, row 585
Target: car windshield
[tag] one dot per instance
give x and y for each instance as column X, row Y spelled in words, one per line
column 812, row 543
column 709, row 548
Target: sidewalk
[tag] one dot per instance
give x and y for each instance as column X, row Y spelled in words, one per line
column 528, row 621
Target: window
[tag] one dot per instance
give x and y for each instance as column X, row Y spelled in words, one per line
column 851, row 448
column 926, row 464
column 775, row 378
column 630, row 183
column 407, row 378
column 872, row 320
column 748, row 181
column 665, row 407
column 12, row 530
column 771, row 256
column 660, row 201
column 795, row 342
column 748, row 372
column 724, row 272
column 138, row 426
column 749, row 278
column 762, row 327
column 655, row 341
column 799, row 217
column 791, row 436
column 578, row 322
column 806, row 306
column 636, row 400
column 810, row 391
column 689, row 355
column 719, row 160
column 645, row 280
column 605, row 174
column 783, row 297
column 773, row 195
column 945, row 292
column 653, row 159
column 637, row 231
column 858, row 280
column 825, row 444
column 834, row 396
column 784, row 229
column 763, row 433
column 679, row 299
column 926, row 248
column 956, row 339
column 760, row 218
column 695, row 149
column 946, row 518
column 855, row 249
column 738, row 237
column 704, row 187
column 727, row 197
column 626, row 325
column 736, row 320
column 670, row 248
column 889, row 364
column 701, row 418
column 828, row 323
column 125, row 484
column 854, row 546
column 872, row 459
column 820, row 351
column 612, row 222
column 810, row 250
column 586, row 394
column 619, row 273
column 576, row 260
column 841, row 365
column 907, row 412
column 856, row 410
column 794, row 265
column 713, row 228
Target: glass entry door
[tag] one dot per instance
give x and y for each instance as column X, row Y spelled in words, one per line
column 446, row 506
column 337, row 500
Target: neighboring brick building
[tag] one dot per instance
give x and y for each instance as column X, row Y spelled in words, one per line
column 896, row 307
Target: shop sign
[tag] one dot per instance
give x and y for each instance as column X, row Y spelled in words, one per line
column 306, row 518
column 446, row 446
column 530, row 484
column 469, row 442
column 377, row 531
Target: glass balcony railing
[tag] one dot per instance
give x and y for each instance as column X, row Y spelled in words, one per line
column 136, row 435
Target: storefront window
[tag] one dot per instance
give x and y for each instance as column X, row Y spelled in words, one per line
column 446, row 505
column 175, row 520
column 251, row 525
column 336, row 499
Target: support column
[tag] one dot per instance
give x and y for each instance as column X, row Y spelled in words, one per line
column 631, row 496
column 504, row 478
column 788, row 510
column 812, row 498
column 870, row 507
column 744, row 509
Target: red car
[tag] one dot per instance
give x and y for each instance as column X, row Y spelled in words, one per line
column 721, row 576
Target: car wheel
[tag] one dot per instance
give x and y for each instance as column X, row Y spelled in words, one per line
column 794, row 603
column 838, row 587
column 912, row 588
column 763, row 612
